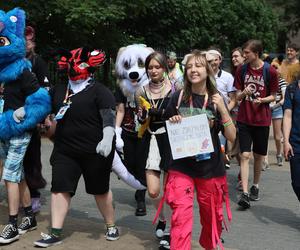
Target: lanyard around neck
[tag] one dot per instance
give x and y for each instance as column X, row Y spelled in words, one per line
column 68, row 95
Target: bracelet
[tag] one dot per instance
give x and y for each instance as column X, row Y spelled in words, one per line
column 228, row 123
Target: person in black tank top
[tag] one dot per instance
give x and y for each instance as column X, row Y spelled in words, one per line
column 155, row 154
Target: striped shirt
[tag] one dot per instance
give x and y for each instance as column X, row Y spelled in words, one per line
column 281, row 89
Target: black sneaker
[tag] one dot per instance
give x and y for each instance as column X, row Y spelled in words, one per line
column 27, row 224
column 112, row 233
column 244, row 201
column 48, row 240
column 254, row 193
column 140, row 209
column 9, row 234
column 160, row 229
column 165, row 242
column 227, row 165
column 140, row 202
column 227, row 162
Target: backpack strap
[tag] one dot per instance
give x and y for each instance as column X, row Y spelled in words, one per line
column 266, row 76
column 243, row 72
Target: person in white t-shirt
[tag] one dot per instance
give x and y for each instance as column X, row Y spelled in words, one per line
column 224, row 81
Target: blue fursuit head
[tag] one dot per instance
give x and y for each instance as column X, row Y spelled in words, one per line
column 12, row 64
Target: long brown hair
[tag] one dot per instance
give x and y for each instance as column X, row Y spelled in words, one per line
column 210, row 80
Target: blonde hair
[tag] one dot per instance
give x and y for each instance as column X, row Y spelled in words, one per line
column 210, row 80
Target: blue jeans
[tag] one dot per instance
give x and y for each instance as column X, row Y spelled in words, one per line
column 295, row 174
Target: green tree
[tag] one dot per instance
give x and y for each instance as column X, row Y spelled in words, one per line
column 288, row 11
column 289, row 16
column 73, row 23
column 174, row 24
column 185, row 24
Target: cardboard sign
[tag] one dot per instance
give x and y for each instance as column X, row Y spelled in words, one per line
column 190, row 137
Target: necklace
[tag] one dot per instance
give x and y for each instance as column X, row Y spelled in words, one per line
column 156, row 88
column 154, row 102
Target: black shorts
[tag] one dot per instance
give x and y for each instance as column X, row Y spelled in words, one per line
column 258, row 135
column 67, row 169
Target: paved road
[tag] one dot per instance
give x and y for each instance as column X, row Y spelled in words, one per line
column 272, row 223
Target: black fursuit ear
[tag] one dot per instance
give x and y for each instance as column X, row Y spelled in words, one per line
column 84, row 56
column 62, row 52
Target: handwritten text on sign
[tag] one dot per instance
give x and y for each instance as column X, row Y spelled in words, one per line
column 190, row 137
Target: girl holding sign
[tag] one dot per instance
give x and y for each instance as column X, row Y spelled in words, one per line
column 205, row 172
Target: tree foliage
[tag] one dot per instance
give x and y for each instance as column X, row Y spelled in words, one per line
column 289, row 13
column 185, row 24
column 172, row 24
column 289, row 19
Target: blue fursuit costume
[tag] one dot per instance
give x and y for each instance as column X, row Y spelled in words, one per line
column 13, row 67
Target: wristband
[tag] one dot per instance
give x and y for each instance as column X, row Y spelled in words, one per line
column 228, row 123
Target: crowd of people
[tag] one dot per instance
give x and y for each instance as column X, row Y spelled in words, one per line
column 92, row 130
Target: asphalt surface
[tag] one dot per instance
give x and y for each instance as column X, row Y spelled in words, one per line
column 271, row 223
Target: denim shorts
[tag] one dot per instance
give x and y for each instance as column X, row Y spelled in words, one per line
column 277, row 113
column 12, row 152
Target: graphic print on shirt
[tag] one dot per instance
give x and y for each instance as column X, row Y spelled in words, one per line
column 256, row 84
column 130, row 121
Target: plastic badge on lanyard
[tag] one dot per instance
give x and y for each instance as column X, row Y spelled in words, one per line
column 60, row 114
column 202, row 157
column 66, row 105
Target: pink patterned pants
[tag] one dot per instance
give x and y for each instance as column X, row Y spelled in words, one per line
column 211, row 193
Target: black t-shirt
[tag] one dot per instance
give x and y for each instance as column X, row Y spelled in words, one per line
column 40, row 69
column 80, row 130
column 16, row 92
column 213, row 167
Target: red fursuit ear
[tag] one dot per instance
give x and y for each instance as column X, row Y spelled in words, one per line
column 97, row 58
column 65, row 56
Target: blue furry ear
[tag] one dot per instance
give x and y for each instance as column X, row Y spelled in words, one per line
column 18, row 16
